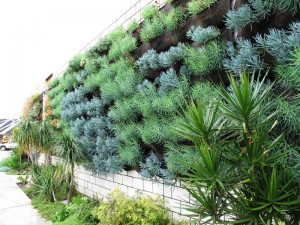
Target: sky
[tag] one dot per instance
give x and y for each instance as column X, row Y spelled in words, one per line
column 37, row 37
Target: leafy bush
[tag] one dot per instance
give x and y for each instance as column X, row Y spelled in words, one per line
column 205, row 59
column 14, row 163
column 197, row 6
column 153, row 28
column 121, row 46
column 202, row 35
column 174, row 17
column 149, row 12
column 49, row 181
column 132, row 25
column 121, row 209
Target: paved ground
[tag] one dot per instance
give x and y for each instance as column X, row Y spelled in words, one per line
column 15, row 206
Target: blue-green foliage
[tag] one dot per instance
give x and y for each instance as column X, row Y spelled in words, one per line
column 168, row 80
column 151, row 168
column 173, row 55
column 202, row 35
column 245, row 57
column 239, row 18
column 149, row 60
column 152, row 60
column 281, row 43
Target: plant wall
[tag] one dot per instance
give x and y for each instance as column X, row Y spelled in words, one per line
column 122, row 98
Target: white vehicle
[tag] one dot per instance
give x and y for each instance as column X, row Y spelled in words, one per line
column 7, row 146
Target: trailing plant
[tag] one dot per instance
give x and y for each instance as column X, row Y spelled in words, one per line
column 202, row 35
column 205, row 59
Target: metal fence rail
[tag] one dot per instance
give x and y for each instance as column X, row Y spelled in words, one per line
column 133, row 13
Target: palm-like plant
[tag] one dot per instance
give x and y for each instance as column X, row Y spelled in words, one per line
column 234, row 180
column 68, row 149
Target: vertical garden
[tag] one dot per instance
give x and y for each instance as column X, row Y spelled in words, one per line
column 194, row 76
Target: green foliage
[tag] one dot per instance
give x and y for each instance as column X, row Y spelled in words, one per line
column 123, row 82
column 197, row 6
column 130, row 153
column 14, row 163
column 205, row 93
column 153, row 28
column 288, row 110
column 240, row 170
column 47, row 209
column 121, row 209
column 149, row 12
column 132, row 25
column 205, row 59
column 80, row 211
column 124, row 110
column 75, row 64
column 151, row 167
column 101, row 46
column 174, row 17
column 121, row 46
column 169, row 1
column 53, row 83
column 48, row 181
column 290, row 6
column 202, row 35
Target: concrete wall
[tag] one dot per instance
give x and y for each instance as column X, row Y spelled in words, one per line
column 131, row 183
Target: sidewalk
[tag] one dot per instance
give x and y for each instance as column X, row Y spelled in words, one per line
column 15, row 206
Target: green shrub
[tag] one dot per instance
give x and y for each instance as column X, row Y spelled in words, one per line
column 121, row 209
column 132, row 25
column 197, row 6
column 50, row 182
column 174, row 17
column 15, row 163
column 121, row 46
column 130, row 153
column 53, row 83
column 153, row 28
column 48, row 210
column 205, row 59
column 149, row 12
